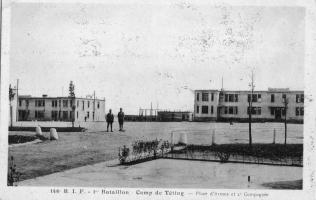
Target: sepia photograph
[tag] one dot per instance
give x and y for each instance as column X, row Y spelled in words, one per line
column 172, row 94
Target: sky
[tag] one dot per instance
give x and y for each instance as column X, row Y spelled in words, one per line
column 135, row 54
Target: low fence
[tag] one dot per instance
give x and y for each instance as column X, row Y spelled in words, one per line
column 265, row 154
column 233, row 158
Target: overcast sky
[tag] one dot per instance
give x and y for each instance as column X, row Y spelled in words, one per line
column 136, row 54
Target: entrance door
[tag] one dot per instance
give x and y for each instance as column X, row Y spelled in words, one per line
column 277, row 113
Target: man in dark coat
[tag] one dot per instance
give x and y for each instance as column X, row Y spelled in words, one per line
column 109, row 120
column 120, row 117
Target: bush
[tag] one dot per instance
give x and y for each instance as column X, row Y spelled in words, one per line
column 13, row 174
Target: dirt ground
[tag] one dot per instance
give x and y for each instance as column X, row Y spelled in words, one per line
column 75, row 149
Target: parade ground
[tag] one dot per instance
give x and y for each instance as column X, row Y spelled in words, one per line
column 95, row 145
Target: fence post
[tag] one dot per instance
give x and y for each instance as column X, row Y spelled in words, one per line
column 213, row 137
column 273, row 136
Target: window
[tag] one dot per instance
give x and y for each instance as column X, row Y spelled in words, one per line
column 65, row 103
column 259, row 98
column 299, row 98
column 93, row 115
column 82, row 105
column 197, row 109
column 255, row 97
column 232, row 110
column 258, row 110
column 226, row 110
column 54, row 103
column 88, row 114
column 78, row 103
column 255, row 110
column 65, row 114
column 204, row 96
column 299, row 111
column 283, row 97
column 77, row 114
column 39, row 103
column 71, row 114
column 198, row 96
column 231, row 97
column 20, row 102
column 59, row 103
column 272, row 111
column 39, row 114
column 27, row 102
column 236, row 97
column 272, row 98
column 88, row 104
column 70, row 101
column 98, row 104
column 54, row 114
column 212, row 97
column 204, row 109
column 212, row 109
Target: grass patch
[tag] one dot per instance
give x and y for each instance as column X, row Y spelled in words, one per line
column 289, row 185
column 16, row 139
column 258, row 150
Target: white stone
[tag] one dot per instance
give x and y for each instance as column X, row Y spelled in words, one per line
column 38, row 131
column 53, row 134
column 183, row 138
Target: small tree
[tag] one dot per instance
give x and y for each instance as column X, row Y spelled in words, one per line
column 73, row 96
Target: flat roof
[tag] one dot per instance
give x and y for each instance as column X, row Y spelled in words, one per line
column 30, row 97
column 255, row 91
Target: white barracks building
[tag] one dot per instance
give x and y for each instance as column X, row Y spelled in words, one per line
column 59, row 109
column 222, row 105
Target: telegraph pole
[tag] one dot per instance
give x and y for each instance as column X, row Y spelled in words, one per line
column 93, row 104
column 286, row 102
column 17, row 100
column 252, row 86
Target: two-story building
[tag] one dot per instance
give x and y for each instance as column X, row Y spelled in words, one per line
column 60, row 109
column 223, row 105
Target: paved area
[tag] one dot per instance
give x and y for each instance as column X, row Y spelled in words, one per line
column 170, row 173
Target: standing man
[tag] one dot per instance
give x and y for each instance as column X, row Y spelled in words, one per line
column 109, row 120
column 120, row 117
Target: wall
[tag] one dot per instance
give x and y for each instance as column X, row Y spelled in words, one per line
column 243, row 104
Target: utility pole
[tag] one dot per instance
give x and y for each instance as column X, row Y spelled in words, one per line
column 252, row 86
column 93, row 105
column 286, row 102
column 17, row 99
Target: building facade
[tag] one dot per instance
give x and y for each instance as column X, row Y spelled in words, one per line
column 169, row 116
column 222, row 105
column 60, row 109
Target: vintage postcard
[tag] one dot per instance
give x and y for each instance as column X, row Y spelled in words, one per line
column 158, row 99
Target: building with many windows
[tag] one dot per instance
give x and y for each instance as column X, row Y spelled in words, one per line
column 222, row 105
column 60, row 109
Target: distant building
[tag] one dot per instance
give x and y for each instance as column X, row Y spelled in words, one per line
column 211, row 105
column 167, row 116
column 60, row 109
